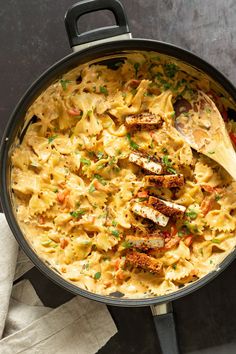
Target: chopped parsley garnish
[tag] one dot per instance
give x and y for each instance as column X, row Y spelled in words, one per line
column 100, row 155
column 192, row 214
column 86, row 266
column 152, row 145
column 208, row 110
column 77, row 213
column 64, row 83
column 136, row 68
column 168, row 163
column 180, row 234
column 115, row 233
column 103, row 90
column 85, row 161
column 170, row 70
column 217, row 197
column 171, row 170
column 114, row 223
column 92, row 188
column 118, row 64
column 51, row 138
column 174, row 266
column 133, row 145
column 112, row 161
column 215, row 240
column 89, row 113
column 166, row 85
column 55, row 190
column 100, row 179
column 126, row 244
column 164, row 150
column 143, row 199
column 97, row 275
column 134, row 91
column 210, row 152
column 173, row 114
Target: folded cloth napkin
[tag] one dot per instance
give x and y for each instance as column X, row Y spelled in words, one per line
column 79, row 326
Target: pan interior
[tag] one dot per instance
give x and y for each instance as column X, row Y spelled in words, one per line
column 111, row 62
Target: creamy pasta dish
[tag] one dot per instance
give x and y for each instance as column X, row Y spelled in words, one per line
column 107, row 191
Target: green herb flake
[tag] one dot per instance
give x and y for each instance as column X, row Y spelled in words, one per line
column 64, row 83
column 55, row 190
column 118, row 64
column 92, row 188
column 133, row 145
column 77, row 213
column 164, row 150
column 100, row 155
column 136, row 68
column 208, row 110
column 166, row 85
column 152, row 145
column 100, row 179
column 103, row 90
column 134, row 91
column 170, row 70
column 180, row 234
column 51, row 138
column 142, row 199
column 86, row 266
column 126, row 244
column 114, row 223
column 217, row 197
column 89, row 113
column 97, row 275
column 192, row 214
column 115, row 233
column 215, row 240
column 174, row 266
column 173, row 114
column 211, row 261
column 171, row 170
column 210, row 152
column 85, row 161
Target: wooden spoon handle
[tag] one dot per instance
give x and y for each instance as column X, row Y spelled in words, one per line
column 226, row 157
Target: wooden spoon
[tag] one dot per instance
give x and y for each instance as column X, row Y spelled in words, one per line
column 202, row 126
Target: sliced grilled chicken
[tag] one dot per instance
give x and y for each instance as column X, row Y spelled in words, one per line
column 146, row 162
column 144, row 121
column 148, row 212
column 141, row 260
column 166, row 208
column 166, row 181
column 145, row 242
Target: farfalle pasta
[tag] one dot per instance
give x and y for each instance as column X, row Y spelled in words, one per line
column 108, row 192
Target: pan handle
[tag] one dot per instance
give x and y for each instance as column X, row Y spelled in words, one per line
column 165, row 326
column 84, row 40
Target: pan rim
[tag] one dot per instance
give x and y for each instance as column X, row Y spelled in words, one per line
column 43, row 80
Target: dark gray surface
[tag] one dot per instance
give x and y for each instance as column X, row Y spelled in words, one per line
column 32, row 37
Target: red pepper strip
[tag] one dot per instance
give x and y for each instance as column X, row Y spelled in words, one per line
column 233, row 137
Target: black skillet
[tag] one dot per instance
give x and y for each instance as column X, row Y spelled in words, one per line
column 97, row 44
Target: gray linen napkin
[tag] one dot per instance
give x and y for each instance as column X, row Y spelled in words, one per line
column 79, row 326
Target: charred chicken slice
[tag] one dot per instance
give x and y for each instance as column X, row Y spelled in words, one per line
column 166, row 181
column 146, row 162
column 146, row 241
column 166, row 208
column 144, row 120
column 141, row 260
column 147, row 212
